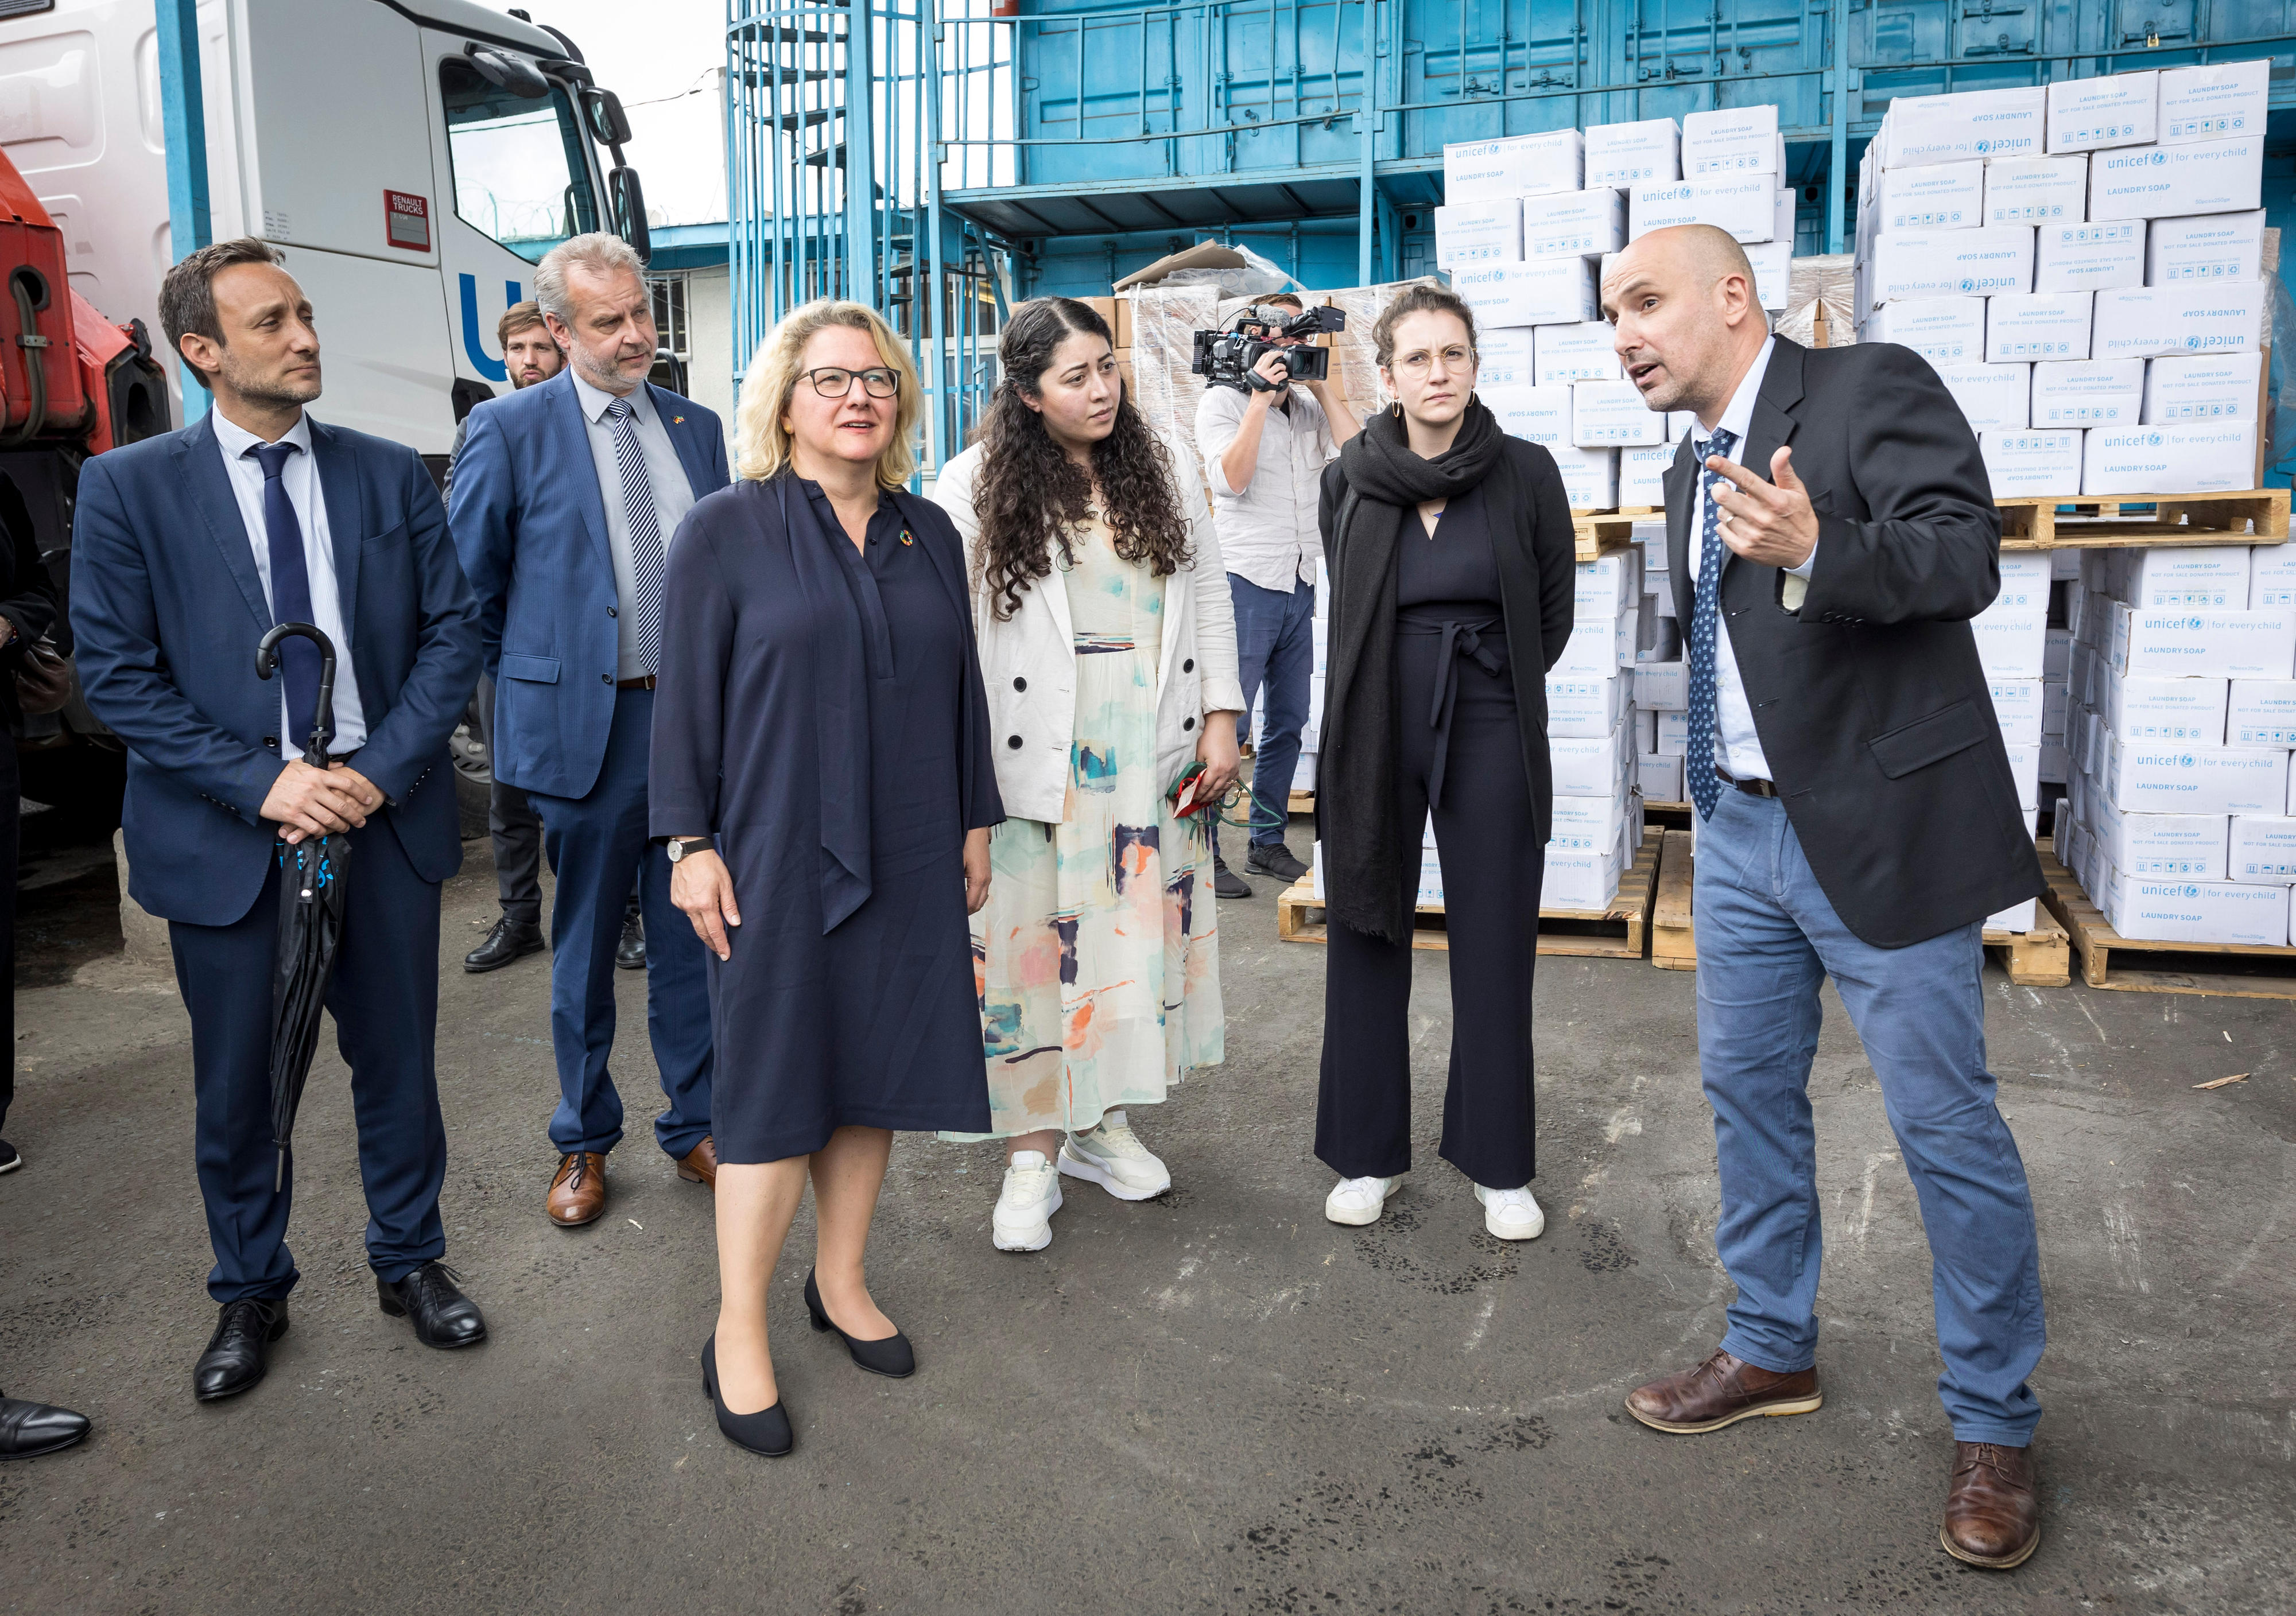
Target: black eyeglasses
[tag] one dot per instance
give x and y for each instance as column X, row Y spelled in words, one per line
column 830, row 381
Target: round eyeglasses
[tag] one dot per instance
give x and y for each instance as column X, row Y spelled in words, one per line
column 833, row 382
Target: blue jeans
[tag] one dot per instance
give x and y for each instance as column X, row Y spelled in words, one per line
column 1275, row 644
column 1767, row 940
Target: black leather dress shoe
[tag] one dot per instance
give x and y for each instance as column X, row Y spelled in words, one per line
column 29, row 1430
column 890, row 1356
column 630, row 956
column 443, row 1316
column 240, row 1350
column 510, row 940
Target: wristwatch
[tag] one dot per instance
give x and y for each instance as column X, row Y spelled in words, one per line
column 680, row 846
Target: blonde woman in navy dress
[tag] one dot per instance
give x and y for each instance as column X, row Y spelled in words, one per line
column 821, row 771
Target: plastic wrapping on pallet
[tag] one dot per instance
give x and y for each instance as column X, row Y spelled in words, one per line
column 1165, row 320
column 1821, row 289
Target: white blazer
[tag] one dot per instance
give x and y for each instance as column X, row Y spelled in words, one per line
column 1028, row 661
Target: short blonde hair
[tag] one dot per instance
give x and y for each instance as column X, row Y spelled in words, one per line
column 761, row 444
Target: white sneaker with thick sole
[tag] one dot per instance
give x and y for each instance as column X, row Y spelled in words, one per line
column 1512, row 1214
column 1023, row 1218
column 1357, row 1202
column 1113, row 1158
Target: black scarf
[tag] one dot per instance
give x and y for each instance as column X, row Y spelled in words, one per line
column 1356, row 814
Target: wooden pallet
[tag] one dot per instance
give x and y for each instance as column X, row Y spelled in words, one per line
column 1303, row 802
column 2041, row 958
column 2230, row 970
column 1598, row 533
column 2039, row 522
column 1618, row 932
column 1674, row 945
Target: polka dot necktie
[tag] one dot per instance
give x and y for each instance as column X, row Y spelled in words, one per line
column 1705, row 621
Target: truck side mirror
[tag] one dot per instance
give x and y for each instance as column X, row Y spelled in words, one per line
column 610, row 126
column 626, row 198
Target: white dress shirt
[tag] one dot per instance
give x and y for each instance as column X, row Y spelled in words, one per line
column 1268, row 531
column 673, row 497
column 300, row 477
column 1737, row 748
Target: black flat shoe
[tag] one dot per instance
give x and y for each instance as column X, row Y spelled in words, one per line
column 766, row 1431
column 444, row 1318
column 240, row 1350
column 892, row 1357
column 29, row 1430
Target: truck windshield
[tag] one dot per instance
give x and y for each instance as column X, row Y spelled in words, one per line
column 520, row 173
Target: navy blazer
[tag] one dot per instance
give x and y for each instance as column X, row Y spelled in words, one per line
column 530, row 522
column 168, row 608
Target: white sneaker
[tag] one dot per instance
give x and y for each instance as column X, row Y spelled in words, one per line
column 1360, row 1201
column 1023, row 1218
column 1512, row 1214
column 1113, row 1158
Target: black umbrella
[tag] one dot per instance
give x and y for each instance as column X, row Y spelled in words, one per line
column 310, row 913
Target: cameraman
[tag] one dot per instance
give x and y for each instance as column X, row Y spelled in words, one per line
column 1264, row 453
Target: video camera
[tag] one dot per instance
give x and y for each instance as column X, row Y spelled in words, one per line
column 1225, row 359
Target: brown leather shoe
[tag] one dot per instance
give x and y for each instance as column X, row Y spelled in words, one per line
column 577, row 1195
column 1993, row 1512
column 699, row 1165
column 1721, row 1391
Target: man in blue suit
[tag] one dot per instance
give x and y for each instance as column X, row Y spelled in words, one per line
column 566, row 497
column 185, row 550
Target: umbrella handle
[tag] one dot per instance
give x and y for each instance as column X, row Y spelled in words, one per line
column 322, row 715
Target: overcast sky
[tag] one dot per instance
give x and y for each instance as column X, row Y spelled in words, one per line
column 665, row 59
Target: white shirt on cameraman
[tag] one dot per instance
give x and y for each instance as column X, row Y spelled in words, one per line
column 1268, row 531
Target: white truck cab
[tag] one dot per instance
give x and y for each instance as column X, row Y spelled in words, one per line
column 413, row 159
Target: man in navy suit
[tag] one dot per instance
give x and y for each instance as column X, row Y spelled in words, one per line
column 185, row 550
column 566, row 497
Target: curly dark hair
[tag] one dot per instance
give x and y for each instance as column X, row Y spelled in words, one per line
column 1029, row 494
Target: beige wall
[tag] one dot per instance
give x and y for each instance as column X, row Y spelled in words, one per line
column 710, row 335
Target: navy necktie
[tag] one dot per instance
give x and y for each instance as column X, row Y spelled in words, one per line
column 291, row 595
column 1705, row 623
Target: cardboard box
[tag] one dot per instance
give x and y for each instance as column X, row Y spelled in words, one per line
column 1940, row 196
column 2145, row 777
column 1746, row 207
column 1783, row 205
column 1680, row 424
column 2034, row 190
column 1988, row 124
column 1587, row 824
column 2206, row 246
column 1646, row 727
column 1609, row 414
column 1662, row 687
column 2151, row 708
column 1733, row 140
column 2169, row 182
column 2176, row 577
column 2010, row 644
column 2147, row 910
column 1579, row 878
column 1486, row 232
column 1538, row 415
column 1603, row 587
column 2025, row 771
column 1562, row 355
column 1590, row 477
column 2017, row 918
column 1586, row 767
column 2037, row 326
column 1620, row 154
column 1773, row 262
column 1538, row 291
column 1672, row 733
column 2088, row 393
column 2188, row 845
column 2090, row 258
column 1991, row 396
column 2213, row 101
column 2271, row 576
column 1505, row 356
column 1585, row 706
column 2087, row 114
column 1659, row 779
column 1519, row 166
column 1580, row 222
column 2017, row 708
column 2020, row 464
column 2206, row 388
column 1951, row 263
column 2203, row 642
column 2263, row 850
column 2218, row 459
column 1642, row 481
column 2260, row 713
column 1943, row 331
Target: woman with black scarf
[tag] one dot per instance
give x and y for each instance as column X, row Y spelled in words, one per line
column 1450, row 553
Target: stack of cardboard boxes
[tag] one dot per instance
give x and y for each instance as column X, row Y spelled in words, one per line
column 1526, row 226
column 2084, row 264
column 2182, row 715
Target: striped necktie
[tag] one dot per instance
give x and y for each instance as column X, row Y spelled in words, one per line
column 649, row 558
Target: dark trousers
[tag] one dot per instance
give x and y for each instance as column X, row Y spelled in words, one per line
column 384, row 998
column 1274, row 645
column 596, row 843
column 516, row 830
column 1492, row 866
column 11, row 808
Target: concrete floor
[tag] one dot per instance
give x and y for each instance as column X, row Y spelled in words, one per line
column 1214, row 1401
